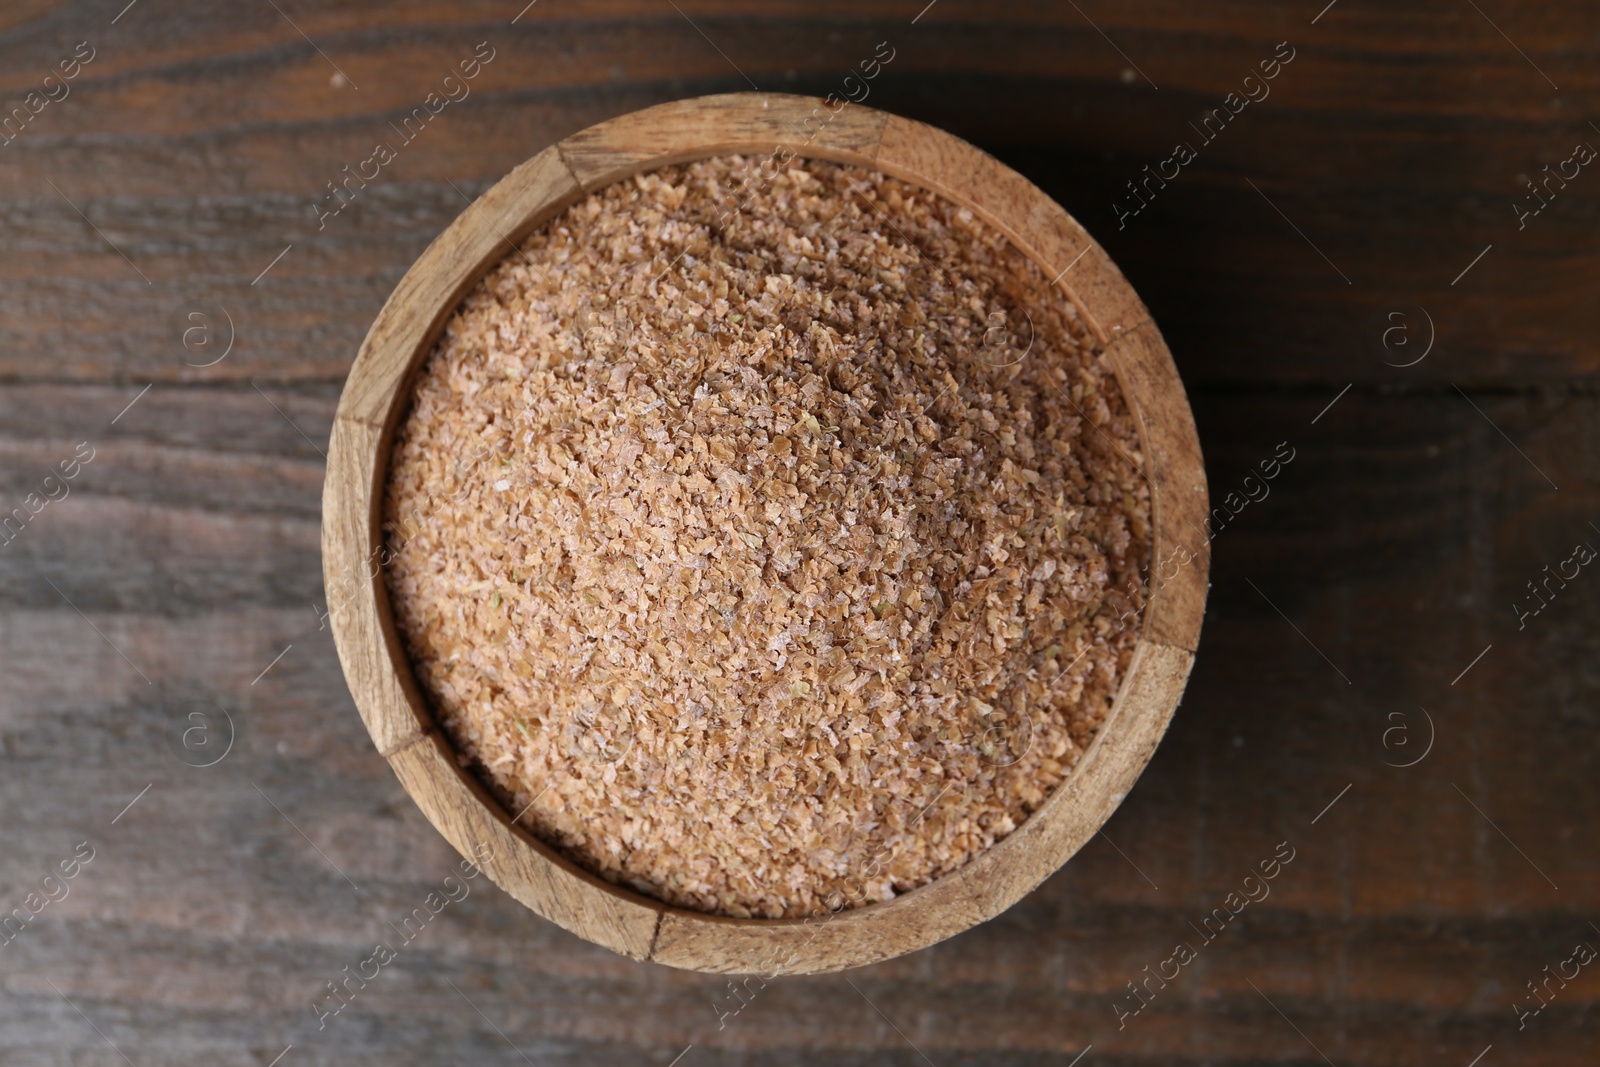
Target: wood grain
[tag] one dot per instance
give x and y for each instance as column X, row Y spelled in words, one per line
column 1396, row 541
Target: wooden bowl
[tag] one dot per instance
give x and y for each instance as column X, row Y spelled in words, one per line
column 380, row 676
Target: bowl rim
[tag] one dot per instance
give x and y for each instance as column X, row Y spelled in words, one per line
column 378, row 672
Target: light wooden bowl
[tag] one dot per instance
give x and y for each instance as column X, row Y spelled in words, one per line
column 380, row 676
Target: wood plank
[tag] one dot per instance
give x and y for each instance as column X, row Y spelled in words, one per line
column 1402, row 175
column 1398, row 883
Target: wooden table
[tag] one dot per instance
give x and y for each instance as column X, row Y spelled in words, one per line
column 1362, row 615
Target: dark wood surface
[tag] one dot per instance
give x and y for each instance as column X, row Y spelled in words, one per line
column 1389, row 154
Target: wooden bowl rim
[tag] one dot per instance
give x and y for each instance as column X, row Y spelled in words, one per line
column 380, row 676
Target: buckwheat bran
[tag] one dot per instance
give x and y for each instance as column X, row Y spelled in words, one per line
column 765, row 544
